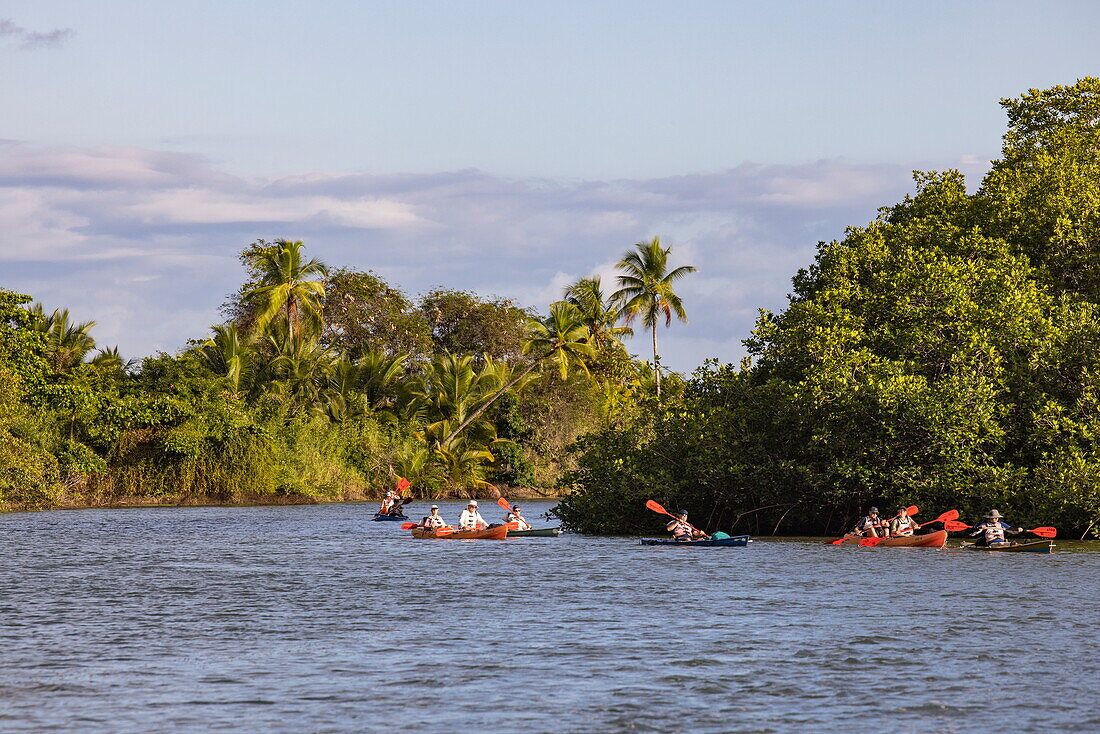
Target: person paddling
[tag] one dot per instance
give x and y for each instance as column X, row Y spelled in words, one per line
column 515, row 516
column 434, row 521
column 993, row 530
column 902, row 525
column 471, row 518
column 680, row 529
column 389, row 504
column 868, row 525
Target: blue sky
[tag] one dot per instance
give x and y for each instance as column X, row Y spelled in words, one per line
column 504, row 147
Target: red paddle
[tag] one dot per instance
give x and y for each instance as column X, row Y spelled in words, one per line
column 408, row 525
column 945, row 518
column 650, row 504
column 910, row 510
column 1042, row 532
column 403, row 484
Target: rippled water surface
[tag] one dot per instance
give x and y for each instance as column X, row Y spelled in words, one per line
column 297, row 619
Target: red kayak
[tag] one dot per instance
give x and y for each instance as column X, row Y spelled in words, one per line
column 933, row 540
column 497, row 533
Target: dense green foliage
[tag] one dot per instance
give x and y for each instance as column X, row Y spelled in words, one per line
column 945, row 355
column 321, row 384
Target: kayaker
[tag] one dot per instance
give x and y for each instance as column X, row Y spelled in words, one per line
column 471, row 518
column 388, row 503
column 515, row 516
column 868, row 525
column 681, row 530
column 434, row 520
column 993, row 530
column 901, row 525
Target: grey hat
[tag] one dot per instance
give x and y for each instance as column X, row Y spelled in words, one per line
column 872, row 511
column 682, row 513
column 994, row 515
column 435, row 507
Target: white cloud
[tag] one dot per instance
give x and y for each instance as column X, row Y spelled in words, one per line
column 145, row 242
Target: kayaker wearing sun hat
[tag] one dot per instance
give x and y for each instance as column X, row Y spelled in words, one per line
column 680, row 529
column 993, row 530
column 515, row 516
column 471, row 519
column 868, row 524
column 434, row 520
column 902, row 525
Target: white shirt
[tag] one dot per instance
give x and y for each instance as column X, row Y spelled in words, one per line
column 471, row 520
column 513, row 517
column 433, row 521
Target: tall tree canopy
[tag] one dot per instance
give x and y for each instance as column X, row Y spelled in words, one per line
column 945, row 355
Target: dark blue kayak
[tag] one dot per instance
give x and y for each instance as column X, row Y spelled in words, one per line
column 399, row 518
column 731, row 542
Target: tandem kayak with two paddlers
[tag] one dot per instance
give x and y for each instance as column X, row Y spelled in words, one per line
column 379, row 517
column 931, row 540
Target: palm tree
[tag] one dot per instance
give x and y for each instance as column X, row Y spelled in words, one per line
column 229, row 355
column 288, row 286
column 452, row 390
column 67, row 343
column 598, row 313
column 645, row 289
column 112, row 359
column 561, row 338
column 299, row 370
column 371, row 383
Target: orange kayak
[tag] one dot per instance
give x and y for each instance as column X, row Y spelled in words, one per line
column 932, row 540
column 497, row 533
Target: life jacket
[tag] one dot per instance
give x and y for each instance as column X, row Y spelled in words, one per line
column 518, row 521
column 681, row 529
column 471, row 520
column 433, row 522
column 904, row 526
column 992, row 532
column 867, row 523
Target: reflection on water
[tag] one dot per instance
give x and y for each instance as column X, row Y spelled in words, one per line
column 316, row 619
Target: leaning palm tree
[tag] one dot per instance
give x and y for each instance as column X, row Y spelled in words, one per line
column 645, row 289
column 562, row 338
column 452, row 389
column 598, row 312
column 288, row 286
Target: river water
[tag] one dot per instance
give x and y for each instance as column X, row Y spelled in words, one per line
column 313, row 619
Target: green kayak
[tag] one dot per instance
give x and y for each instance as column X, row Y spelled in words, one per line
column 537, row 533
column 1035, row 546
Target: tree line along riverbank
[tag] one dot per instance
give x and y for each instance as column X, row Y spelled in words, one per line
column 326, row 384
column 946, row 354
